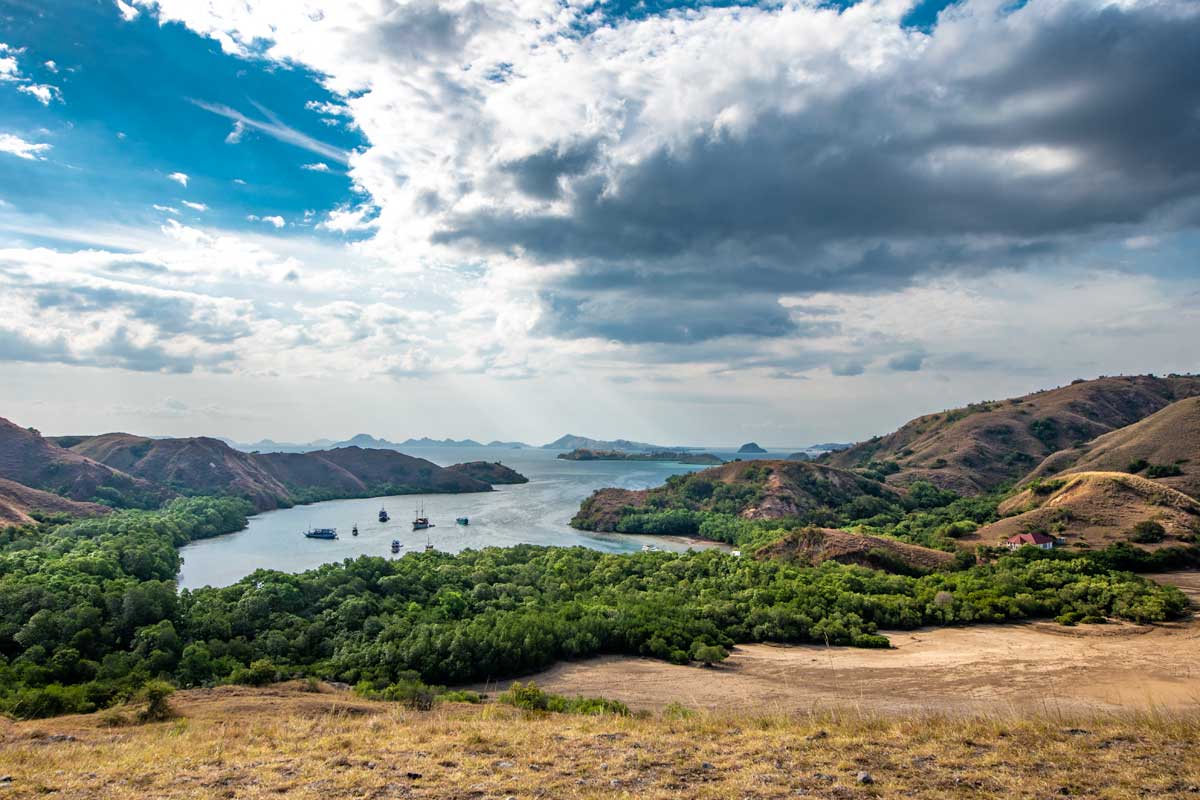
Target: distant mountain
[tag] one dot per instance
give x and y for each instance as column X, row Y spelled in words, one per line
column 582, row 454
column 977, row 448
column 573, row 442
column 751, row 447
column 492, row 472
column 830, row 447
column 363, row 440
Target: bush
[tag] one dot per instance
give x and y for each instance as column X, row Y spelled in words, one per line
column 1147, row 532
column 259, row 673
column 708, row 654
column 461, row 696
column 1163, row 470
column 531, row 697
column 1137, row 465
column 156, row 695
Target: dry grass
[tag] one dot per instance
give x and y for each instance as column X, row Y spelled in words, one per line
column 1096, row 509
column 815, row 545
column 283, row 742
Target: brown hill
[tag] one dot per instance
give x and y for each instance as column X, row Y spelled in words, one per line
column 492, row 472
column 977, row 448
column 815, row 545
column 198, row 465
column 1162, row 443
column 355, row 471
column 1095, row 509
column 758, row 489
column 19, row 504
column 27, row 458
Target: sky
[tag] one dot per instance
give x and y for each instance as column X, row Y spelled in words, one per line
column 679, row 222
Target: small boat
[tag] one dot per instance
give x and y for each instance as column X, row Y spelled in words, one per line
column 428, row 545
column 383, row 515
column 321, row 533
column 420, row 521
column 396, row 545
column 354, row 530
column 463, row 521
column 649, row 548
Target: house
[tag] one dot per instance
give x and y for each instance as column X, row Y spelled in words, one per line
column 1039, row 540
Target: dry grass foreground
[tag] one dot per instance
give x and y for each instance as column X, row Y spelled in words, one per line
column 283, row 742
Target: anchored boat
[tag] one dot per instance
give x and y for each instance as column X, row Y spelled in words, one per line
column 354, row 530
column 420, row 521
column 463, row 521
column 396, row 545
column 321, row 533
column 383, row 515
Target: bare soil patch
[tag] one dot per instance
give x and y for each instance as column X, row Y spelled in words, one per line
column 1038, row 667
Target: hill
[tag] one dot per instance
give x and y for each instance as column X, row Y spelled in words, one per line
column 1096, row 509
column 20, row 505
column 751, row 447
column 203, row 465
column 197, row 465
column 1164, row 446
column 492, row 472
column 572, row 442
column 752, row 490
column 977, row 448
column 28, row 458
column 813, row 546
column 584, row 454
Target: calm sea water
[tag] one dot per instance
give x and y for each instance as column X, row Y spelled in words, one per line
column 537, row 512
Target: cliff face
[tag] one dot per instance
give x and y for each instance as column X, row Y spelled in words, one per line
column 977, row 448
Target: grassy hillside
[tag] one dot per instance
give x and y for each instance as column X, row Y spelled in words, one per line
column 975, row 449
column 206, row 466
column 284, row 742
column 27, row 458
column 753, row 491
column 1164, row 447
column 816, row 545
column 1096, row 509
column 20, row 505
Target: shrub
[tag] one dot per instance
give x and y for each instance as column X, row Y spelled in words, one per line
column 1147, row 532
column 1137, row 465
column 1163, row 470
column 708, row 654
column 156, row 695
column 531, row 697
column 259, row 673
column 461, row 696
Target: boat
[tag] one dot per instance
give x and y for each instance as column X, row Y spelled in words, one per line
column 383, row 515
column 428, row 544
column 321, row 533
column 463, row 521
column 649, row 548
column 396, row 545
column 420, row 521
column 354, row 530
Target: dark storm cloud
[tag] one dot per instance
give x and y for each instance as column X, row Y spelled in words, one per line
column 1084, row 128
column 539, row 175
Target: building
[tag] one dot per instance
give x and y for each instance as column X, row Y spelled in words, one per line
column 1039, row 540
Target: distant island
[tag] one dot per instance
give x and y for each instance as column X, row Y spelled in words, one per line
column 586, row 454
column 573, row 442
column 751, row 447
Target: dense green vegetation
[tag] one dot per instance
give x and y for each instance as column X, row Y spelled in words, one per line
column 89, row 611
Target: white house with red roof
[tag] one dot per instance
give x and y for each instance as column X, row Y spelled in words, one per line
column 1039, row 540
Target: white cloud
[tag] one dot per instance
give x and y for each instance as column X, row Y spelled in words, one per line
column 320, row 166
column 276, row 220
column 128, row 13
column 16, row 146
column 42, row 92
column 346, row 220
column 51, row 65
column 166, row 209
column 179, row 177
column 195, row 206
column 236, row 134
column 273, row 127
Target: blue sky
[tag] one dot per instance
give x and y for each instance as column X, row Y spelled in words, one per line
column 670, row 221
column 128, row 115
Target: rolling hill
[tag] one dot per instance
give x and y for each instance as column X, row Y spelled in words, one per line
column 28, row 458
column 20, row 505
column 1158, row 446
column 814, row 545
column 1096, row 509
column 762, row 489
column 203, row 465
column 977, row 448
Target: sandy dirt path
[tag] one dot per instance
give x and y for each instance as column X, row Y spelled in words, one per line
column 989, row 668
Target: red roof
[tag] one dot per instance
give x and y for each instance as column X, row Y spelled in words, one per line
column 1030, row 538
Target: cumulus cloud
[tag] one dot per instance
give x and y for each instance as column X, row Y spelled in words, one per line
column 128, row 12
column 275, row 220
column 179, row 177
column 16, row 146
column 43, row 93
